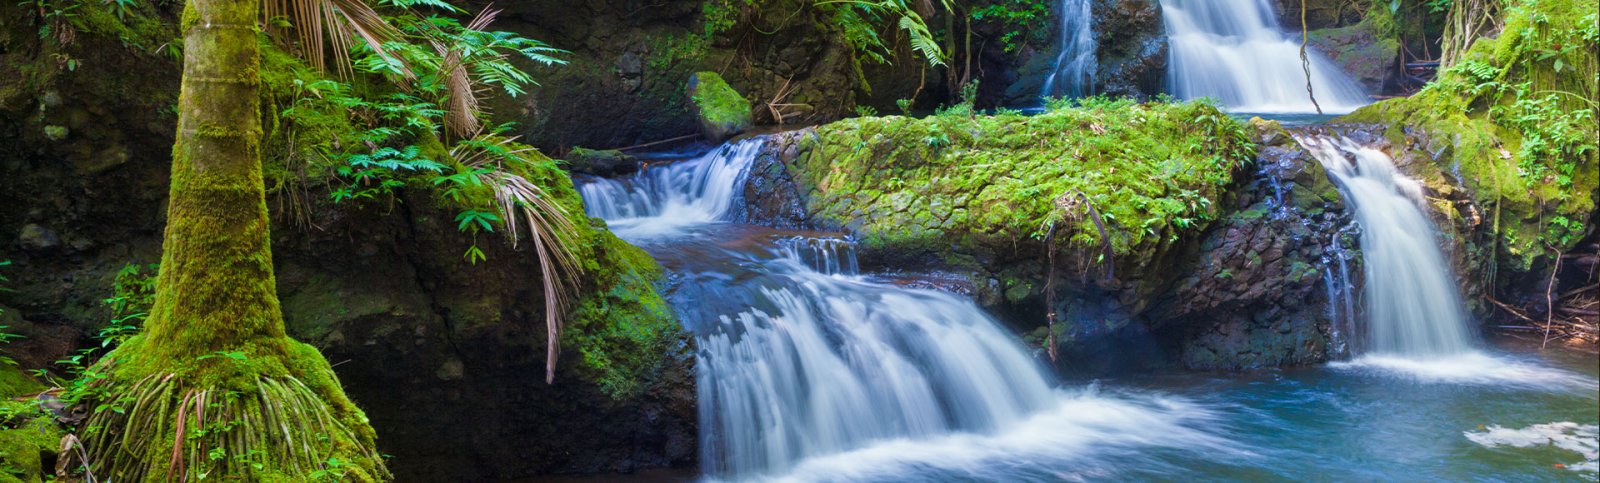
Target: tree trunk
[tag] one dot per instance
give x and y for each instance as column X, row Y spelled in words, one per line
column 216, row 288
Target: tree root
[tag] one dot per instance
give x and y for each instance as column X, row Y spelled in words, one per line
column 163, row 429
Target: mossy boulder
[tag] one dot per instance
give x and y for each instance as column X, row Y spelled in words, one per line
column 388, row 291
column 720, row 110
column 29, row 437
column 600, row 162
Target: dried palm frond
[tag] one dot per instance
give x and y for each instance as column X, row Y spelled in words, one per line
column 548, row 225
column 324, row 27
column 462, row 107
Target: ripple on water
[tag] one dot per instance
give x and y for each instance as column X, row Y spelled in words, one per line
column 1474, row 368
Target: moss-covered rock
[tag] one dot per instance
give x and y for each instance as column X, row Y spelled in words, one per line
column 1201, row 247
column 982, row 185
column 721, row 111
column 385, row 288
column 1368, row 51
column 600, row 162
column 29, row 438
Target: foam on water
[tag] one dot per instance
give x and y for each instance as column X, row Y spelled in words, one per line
column 1570, row 436
column 1082, row 436
column 1474, row 368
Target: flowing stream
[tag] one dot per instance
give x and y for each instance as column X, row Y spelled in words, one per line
column 1073, row 74
column 1235, row 52
column 809, row 370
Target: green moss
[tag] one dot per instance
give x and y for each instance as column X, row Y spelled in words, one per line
column 723, row 111
column 717, row 101
column 26, row 434
column 623, row 329
column 980, row 184
column 140, row 26
column 14, row 383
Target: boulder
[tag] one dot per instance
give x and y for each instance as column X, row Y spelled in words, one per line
column 721, row 111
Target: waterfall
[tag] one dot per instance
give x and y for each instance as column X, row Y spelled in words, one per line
column 828, row 255
column 1413, row 306
column 662, row 201
column 834, row 363
column 807, row 371
column 1073, row 74
column 1235, row 52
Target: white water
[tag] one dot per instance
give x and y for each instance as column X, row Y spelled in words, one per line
column 662, row 201
column 1073, row 75
column 1234, row 51
column 1416, row 323
column 1413, row 306
column 838, row 363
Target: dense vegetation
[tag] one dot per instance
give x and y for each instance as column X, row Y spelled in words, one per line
column 426, row 112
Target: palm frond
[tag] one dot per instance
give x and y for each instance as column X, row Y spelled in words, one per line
column 549, row 227
column 331, row 27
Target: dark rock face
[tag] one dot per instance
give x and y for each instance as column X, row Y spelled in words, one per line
column 1256, row 294
column 448, row 359
column 1132, row 48
column 770, row 196
column 1131, row 55
column 629, row 77
column 1368, row 58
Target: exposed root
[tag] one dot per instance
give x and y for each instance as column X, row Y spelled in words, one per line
column 162, row 429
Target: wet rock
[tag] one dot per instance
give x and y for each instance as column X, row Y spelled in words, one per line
column 1132, row 48
column 1369, row 58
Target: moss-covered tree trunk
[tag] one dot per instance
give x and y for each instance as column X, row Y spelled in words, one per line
column 216, row 288
column 214, row 389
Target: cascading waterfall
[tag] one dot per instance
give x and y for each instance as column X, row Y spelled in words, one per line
column 836, row 363
column 1073, row 74
column 1235, row 52
column 801, row 362
column 663, row 200
column 1413, row 306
